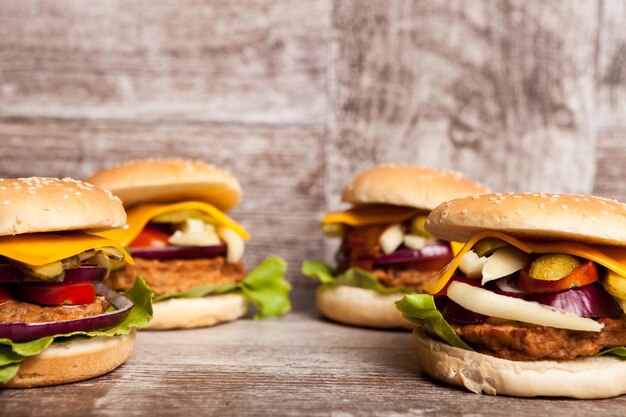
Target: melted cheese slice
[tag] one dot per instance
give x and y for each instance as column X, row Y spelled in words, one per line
column 370, row 214
column 138, row 217
column 43, row 248
column 611, row 257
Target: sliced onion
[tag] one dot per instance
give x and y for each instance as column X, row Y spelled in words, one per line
column 18, row 331
column 179, row 252
column 588, row 301
column 433, row 251
column 451, row 311
column 84, row 273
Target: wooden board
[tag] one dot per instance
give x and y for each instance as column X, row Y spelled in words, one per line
column 298, row 365
column 503, row 91
column 223, row 61
column 611, row 99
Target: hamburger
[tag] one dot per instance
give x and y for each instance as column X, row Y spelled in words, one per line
column 58, row 322
column 188, row 251
column 533, row 303
column 385, row 251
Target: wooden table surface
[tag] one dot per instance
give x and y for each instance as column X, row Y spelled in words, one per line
column 295, row 365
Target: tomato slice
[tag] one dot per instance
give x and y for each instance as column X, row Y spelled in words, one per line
column 57, row 294
column 585, row 274
column 5, row 294
column 150, row 238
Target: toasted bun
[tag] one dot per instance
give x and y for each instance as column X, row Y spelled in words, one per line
column 36, row 204
column 168, row 181
column 591, row 377
column 361, row 307
column 73, row 362
column 412, row 186
column 580, row 218
column 185, row 313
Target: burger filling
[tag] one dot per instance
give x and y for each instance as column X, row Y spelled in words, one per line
column 399, row 255
column 180, row 251
column 523, row 300
column 163, row 277
column 192, row 250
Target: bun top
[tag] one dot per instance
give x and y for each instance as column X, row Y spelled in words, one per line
column 169, row 181
column 36, row 204
column 540, row 216
column 413, row 186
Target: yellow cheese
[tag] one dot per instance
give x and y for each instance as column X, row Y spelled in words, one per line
column 139, row 216
column 611, row 257
column 370, row 214
column 43, row 248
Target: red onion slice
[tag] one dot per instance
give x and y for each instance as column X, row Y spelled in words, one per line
column 179, row 252
column 19, row 332
column 588, row 301
column 451, row 311
column 84, row 273
column 434, row 251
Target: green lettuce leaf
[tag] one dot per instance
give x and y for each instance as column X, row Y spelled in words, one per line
column 616, row 351
column 13, row 353
column 201, row 291
column 266, row 288
column 353, row 277
column 421, row 309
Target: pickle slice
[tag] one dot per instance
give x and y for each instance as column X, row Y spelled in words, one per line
column 553, row 266
column 53, row 271
column 487, row 246
column 614, row 284
column 182, row 215
column 417, row 226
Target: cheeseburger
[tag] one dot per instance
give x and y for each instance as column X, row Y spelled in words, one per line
column 533, row 303
column 188, row 251
column 385, row 250
column 58, row 322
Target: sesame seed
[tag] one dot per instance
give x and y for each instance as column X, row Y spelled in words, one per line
column 497, row 201
column 564, row 206
column 6, row 202
column 60, row 208
column 604, row 213
column 492, row 199
column 31, row 192
column 66, row 196
column 77, row 193
column 542, row 206
column 517, row 196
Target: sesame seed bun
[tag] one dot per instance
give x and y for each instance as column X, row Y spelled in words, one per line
column 169, row 180
column 62, row 363
column 361, row 307
column 587, row 219
column 411, row 186
column 37, row 204
column 187, row 313
column 591, row 377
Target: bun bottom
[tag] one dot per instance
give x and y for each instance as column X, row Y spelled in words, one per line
column 188, row 313
column 588, row 378
column 361, row 307
column 73, row 362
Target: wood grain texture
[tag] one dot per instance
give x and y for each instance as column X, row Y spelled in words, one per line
column 297, row 365
column 278, row 169
column 611, row 100
column 222, row 61
column 502, row 90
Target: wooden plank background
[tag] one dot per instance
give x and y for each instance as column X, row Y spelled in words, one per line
column 295, row 97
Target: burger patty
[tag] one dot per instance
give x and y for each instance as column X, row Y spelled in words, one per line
column 409, row 278
column 23, row 312
column 170, row 276
column 526, row 342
